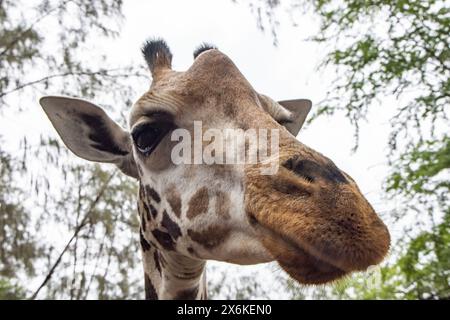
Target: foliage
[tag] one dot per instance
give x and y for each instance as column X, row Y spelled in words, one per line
column 19, row 247
column 225, row 282
column 44, row 48
column 421, row 272
column 9, row 291
column 41, row 45
column 103, row 260
column 396, row 50
column 423, row 268
column 413, row 174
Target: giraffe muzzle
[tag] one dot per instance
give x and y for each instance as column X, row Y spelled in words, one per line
column 314, row 221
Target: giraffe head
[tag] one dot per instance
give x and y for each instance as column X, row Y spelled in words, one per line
column 308, row 215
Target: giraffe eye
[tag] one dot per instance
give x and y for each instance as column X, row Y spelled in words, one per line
column 146, row 137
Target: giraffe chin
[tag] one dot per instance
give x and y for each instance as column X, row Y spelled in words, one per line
column 301, row 265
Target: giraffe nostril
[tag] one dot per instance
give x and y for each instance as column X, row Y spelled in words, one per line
column 302, row 168
column 311, row 170
column 252, row 220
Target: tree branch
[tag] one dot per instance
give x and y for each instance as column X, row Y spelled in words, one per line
column 66, row 74
column 78, row 228
column 10, row 45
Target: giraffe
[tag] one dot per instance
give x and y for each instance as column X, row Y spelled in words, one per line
column 309, row 217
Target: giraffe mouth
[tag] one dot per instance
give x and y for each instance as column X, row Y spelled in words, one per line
column 298, row 261
column 309, row 269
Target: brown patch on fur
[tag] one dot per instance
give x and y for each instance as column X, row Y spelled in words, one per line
column 146, row 210
column 171, row 226
column 141, row 191
column 192, row 252
column 174, row 200
column 147, row 207
column 164, row 239
column 156, row 259
column 144, row 243
column 188, row 294
column 141, row 208
column 162, row 260
column 150, row 292
column 211, row 237
column 199, row 203
column 143, row 223
column 223, row 205
column 152, row 193
column 152, row 210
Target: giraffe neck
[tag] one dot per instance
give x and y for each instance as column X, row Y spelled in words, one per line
column 171, row 275
column 168, row 274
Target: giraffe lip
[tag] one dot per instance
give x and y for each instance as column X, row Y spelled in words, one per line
column 307, row 268
column 296, row 260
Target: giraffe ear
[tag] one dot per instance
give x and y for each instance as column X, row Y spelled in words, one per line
column 89, row 132
column 289, row 113
column 299, row 109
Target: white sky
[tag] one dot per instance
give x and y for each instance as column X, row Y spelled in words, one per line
column 283, row 72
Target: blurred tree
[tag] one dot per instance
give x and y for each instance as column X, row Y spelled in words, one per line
column 80, row 240
column 9, row 291
column 101, row 260
column 421, row 272
column 423, row 268
column 19, row 247
column 225, row 282
column 398, row 49
column 45, row 46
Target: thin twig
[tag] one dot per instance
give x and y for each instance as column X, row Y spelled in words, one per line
column 10, row 45
column 78, row 228
column 97, row 260
column 66, row 74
